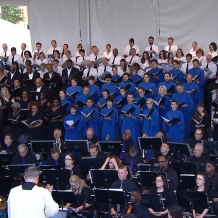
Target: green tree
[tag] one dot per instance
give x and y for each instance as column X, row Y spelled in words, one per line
column 12, row 14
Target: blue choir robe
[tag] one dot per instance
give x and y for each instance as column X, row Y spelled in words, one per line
column 132, row 89
column 115, row 78
column 109, row 127
column 102, row 101
column 136, row 99
column 81, row 98
column 180, row 78
column 200, row 81
column 175, row 132
column 152, row 126
column 148, row 86
column 65, row 101
column 94, row 92
column 110, row 87
column 189, row 87
column 135, row 79
column 160, row 76
column 75, row 133
column 162, row 110
column 187, row 111
column 129, row 123
column 92, row 122
column 71, row 90
column 168, row 85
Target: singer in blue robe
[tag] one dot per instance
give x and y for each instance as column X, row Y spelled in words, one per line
column 65, row 102
column 150, row 125
column 142, row 108
column 92, row 121
column 94, row 91
column 189, row 86
column 76, row 132
column 175, row 132
column 200, row 81
column 110, row 87
column 135, row 79
column 156, row 79
column 81, row 98
column 187, row 110
column 180, row 78
column 131, row 121
column 168, row 85
column 115, row 77
column 73, row 89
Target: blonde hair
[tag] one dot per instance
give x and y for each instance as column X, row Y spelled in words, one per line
column 6, row 91
column 150, row 100
column 77, row 180
column 162, row 87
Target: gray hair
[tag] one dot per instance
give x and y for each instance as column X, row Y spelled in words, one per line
column 21, row 146
column 15, row 105
column 31, row 172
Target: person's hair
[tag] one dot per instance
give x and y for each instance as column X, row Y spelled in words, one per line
column 151, row 37
column 108, row 45
column 121, row 167
column 92, row 78
column 133, row 68
column 131, row 40
column 195, row 43
column 188, row 55
column 39, row 43
column 62, row 90
column 147, row 74
column 29, row 53
column 20, row 146
column 108, row 76
column 63, row 49
column 182, row 53
column 110, row 99
column 69, row 61
column 164, row 54
column 198, row 128
column 57, row 53
column 123, row 88
column 71, row 155
column 137, row 190
column 93, row 147
column 143, row 59
column 149, row 100
column 167, row 73
column 214, row 45
column 154, row 60
column 118, row 161
column 179, row 84
column 162, row 87
column 41, row 54
column 171, row 38
column 137, row 66
column 206, row 179
column 33, row 103
column 16, row 105
column 133, row 148
column 82, row 50
column 10, row 136
column 200, row 50
column 125, row 74
column 89, row 98
column 141, row 89
column 130, row 93
column 197, row 116
column 176, row 61
column 43, row 65
column 175, row 101
column 77, row 180
column 175, row 211
column 53, row 40
column 163, row 177
column 79, row 45
column 54, row 150
column 125, row 65
column 13, row 49
column 31, row 172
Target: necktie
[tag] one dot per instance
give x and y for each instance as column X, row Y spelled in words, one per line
column 207, row 65
column 23, row 161
column 169, row 50
column 151, row 52
column 90, row 142
column 13, row 60
column 113, row 60
column 132, row 164
column 131, row 60
column 123, row 151
column 57, row 144
column 121, row 184
column 88, row 73
column 187, row 68
column 56, row 163
column 96, row 57
column 104, row 68
column 22, row 54
column 83, row 58
column 5, row 54
column 7, row 149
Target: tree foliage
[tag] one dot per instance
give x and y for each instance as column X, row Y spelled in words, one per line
column 12, row 14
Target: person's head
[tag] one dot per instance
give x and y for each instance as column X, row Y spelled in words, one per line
column 150, row 40
column 194, row 45
column 200, row 53
column 65, row 47
column 200, row 108
column 130, row 98
column 50, row 68
column 149, row 103
column 73, row 109
column 141, row 92
column 198, row 134
column 162, row 162
column 125, row 77
column 146, row 77
column 93, row 151
column 133, row 70
column 69, row 160
column 86, row 90
column 82, row 52
column 162, row 90
column 41, row 55
column 57, row 133
column 38, row 46
column 95, row 51
column 69, row 63
column 27, row 54
column 5, row 47
column 164, row 149
column 110, row 163
column 74, row 82
column 123, row 63
column 131, row 42
column 133, row 150
column 5, row 92
column 8, row 139
column 163, row 55
column 114, row 70
column 198, row 150
column 34, row 106
column 68, row 54
column 62, row 94
column 12, row 69
column 108, row 78
column 55, row 153
column 89, row 133
column 175, row 64
column 135, row 195
column 161, row 181
column 115, row 52
column 23, row 46
column 89, row 64
column 160, row 134
column 154, row 63
column 105, row 93
column 110, row 101
column 22, row 149
column 38, row 82
column 15, row 107
column 170, row 41
column 210, row 167
column 76, row 184
column 179, row 88
column 13, row 51
column 31, row 174
column 201, row 181
column 122, row 172
column 213, row 46
column 175, row 211
column 16, row 83
column 108, row 47
column 42, row 96
column 24, row 94
column 56, row 54
column 123, row 91
column 188, row 58
column 189, row 78
column 195, row 63
column 29, row 69
column 179, row 53
column 167, row 77
column 53, row 43
column 209, row 58
column 79, row 46
column 132, row 52
column 145, row 56
column 56, row 102
column 89, row 102
column 91, row 80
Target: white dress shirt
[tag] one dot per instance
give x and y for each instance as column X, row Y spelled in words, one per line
column 77, row 54
column 92, row 57
column 80, row 59
column 30, row 75
column 201, row 59
column 64, row 58
column 42, row 73
column 120, row 72
column 213, row 54
column 133, row 59
column 22, row 55
column 173, row 48
column 180, row 59
column 184, row 66
column 154, row 47
column 38, row 61
column 58, row 70
column 192, row 52
column 127, row 50
column 115, row 61
column 17, row 58
column 37, row 52
column 145, row 65
column 101, row 69
column 92, row 72
column 50, row 50
column 162, row 61
column 106, row 55
column 212, row 69
column 8, row 52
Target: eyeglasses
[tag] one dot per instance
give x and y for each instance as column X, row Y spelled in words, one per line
column 67, row 159
column 161, row 161
column 158, row 180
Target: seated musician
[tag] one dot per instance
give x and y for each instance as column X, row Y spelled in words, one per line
column 167, row 195
column 56, row 158
column 93, row 151
column 69, row 165
column 111, row 163
column 23, row 156
column 175, row 211
column 92, row 139
column 198, row 137
column 170, row 173
column 83, row 196
column 8, row 145
column 59, row 142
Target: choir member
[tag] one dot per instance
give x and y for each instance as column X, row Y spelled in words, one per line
column 94, row 90
column 57, row 66
column 103, row 68
column 73, row 124
column 162, row 57
column 121, row 97
column 28, row 56
column 109, row 85
column 59, row 142
column 67, row 56
column 65, row 103
column 115, row 76
column 213, row 49
column 145, row 61
column 186, row 106
column 132, row 58
column 95, row 56
column 171, row 48
column 109, row 123
column 14, row 57
column 187, row 65
column 193, row 49
column 180, row 55
column 41, row 59
column 176, row 74
column 53, row 48
column 131, row 120
column 15, row 90
column 23, row 49
column 156, row 73
column 112, row 163
column 79, row 60
column 3, row 78
column 115, row 58
column 152, row 49
column 42, row 70
column 24, row 103
column 89, row 71
column 12, row 75
column 140, row 100
column 169, row 198
column 128, row 48
column 9, row 146
column 134, row 75
column 108, row 53
column 56, row 158
column 44, row 103
column 82, row 98
column 175, row 211
column 79, row 47
column 198, row 138
column 200, row 56
column 6, row 52
column 150, row 122
column 215, row 124
column 38, row 50
column 69, row 165
column 210, row 68
column 122, row 68
column 174, row 131
column 64, row 50
column 23, row 156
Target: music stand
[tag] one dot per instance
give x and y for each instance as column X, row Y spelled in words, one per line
column 110, row 146
column 150, row 143
column 77, row 146
column 147, row 167
column 188, row 181
column 18, row 169
column 185, row 168
column 42, row 146
column 5, row 159
column 180, row 148
column 103, row 178
column 211, row 147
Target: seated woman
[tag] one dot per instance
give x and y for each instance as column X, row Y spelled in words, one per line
column 69, row 165
column 165, row 193
column 111, row 163
column 83, row 196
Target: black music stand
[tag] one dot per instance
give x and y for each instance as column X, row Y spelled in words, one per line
column 180, row 148
column 103, row 178
column 185, row 168
column 188, row 181
column 77, row 146
column 18, row 169
column 42, row 146
column 110, row 146
column 211, row 148
column 58, row 177
column 153, row 143
column 47, row 167
column 5, row 159
column 147, row 167
column 153, row 201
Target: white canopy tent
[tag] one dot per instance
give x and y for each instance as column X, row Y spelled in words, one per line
column 98, row 22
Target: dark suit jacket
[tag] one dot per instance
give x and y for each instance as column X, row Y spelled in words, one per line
column 35, row 76
column 29, row 159
column 61, row 162
column 16, row 76
column 12, row 148
column 137, row 159
column 56, row 79
column 74, row 73
column 128, row 142
column 44, row 90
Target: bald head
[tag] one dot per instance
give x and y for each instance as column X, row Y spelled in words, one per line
column 38, row 82
column 198, row 150
column 209, row 58
column 89, row 133
column 5, row 47
column 89, row 64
